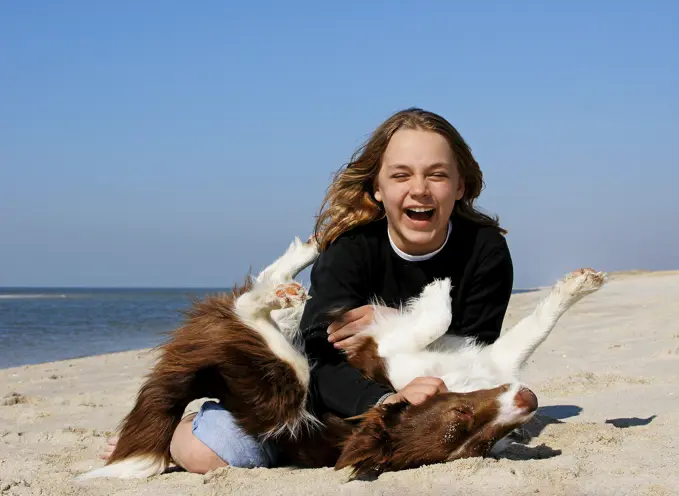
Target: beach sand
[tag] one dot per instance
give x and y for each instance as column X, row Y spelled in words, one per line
column 607, row 380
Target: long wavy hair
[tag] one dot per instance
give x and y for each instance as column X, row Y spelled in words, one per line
column 349, row 201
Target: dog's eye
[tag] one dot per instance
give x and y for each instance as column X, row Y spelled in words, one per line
column 464, row 414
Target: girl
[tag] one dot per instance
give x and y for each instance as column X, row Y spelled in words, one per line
column 398, row 215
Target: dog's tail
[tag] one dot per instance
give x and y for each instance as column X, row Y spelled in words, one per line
column 259, row 377
column 143, row 448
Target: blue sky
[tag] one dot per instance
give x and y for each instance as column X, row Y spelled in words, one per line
column 177, row 144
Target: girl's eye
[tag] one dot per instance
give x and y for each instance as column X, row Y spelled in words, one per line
column 399, row 176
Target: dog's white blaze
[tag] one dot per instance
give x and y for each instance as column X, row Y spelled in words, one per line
column 136, row 467
column 509, row 412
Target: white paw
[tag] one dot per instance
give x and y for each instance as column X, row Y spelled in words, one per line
column 582, row 282
column 309, row 250
column 435, row 303
column 302, row 253
column 437, row 293
column 298, row 256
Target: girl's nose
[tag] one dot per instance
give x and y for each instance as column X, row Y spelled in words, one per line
column 418, row 186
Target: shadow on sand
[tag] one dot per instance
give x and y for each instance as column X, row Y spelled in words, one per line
column 624, row 423
column 545, row 416
column 555, row 414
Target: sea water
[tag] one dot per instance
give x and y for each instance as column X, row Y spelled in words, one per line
column 42, row 325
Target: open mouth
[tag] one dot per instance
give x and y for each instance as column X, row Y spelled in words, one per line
column 420, row 213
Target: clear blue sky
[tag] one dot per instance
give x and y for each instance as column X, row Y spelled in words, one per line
column 166, row 143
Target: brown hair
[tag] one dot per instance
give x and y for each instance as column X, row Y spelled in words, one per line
column 349, row 201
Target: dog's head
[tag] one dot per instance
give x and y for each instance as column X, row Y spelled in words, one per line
column 443, row 428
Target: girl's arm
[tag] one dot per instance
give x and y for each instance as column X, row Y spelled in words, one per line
column 339, row 280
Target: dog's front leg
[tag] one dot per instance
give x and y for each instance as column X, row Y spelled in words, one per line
column 421, row 322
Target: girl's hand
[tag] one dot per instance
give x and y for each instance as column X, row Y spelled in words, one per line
column 418, row 391
column 342, row 332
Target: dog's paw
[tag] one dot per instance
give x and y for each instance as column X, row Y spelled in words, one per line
column 582, row 282
column 290, row 295
column 310, row 248
column 302, row 253
column 312, row 242
column 436, row 296
column 438, row 289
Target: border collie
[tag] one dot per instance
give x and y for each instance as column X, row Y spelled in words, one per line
column 243, row 348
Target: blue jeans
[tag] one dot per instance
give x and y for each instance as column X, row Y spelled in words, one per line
column 217, row 429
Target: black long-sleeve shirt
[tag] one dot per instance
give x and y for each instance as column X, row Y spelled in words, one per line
column 362, row 264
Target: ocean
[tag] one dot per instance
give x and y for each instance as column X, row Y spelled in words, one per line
column 43, row 325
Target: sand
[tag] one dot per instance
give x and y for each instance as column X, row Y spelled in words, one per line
column 607, row 380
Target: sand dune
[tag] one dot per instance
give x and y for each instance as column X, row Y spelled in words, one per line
column 607, row 380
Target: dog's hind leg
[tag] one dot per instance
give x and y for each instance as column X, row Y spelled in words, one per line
column 517, row 344
column 422, row 321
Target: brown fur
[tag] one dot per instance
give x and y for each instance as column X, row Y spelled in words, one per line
column 212, row 355
column 443, row 428
column 365, row 358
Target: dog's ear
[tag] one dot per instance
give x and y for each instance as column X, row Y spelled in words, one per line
column 369, row 448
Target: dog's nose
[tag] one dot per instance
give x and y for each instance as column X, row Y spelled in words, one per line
column 526, row 400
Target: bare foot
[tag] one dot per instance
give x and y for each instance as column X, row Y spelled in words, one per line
column 110, row 446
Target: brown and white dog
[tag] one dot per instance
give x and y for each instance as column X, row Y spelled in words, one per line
column 243, row 349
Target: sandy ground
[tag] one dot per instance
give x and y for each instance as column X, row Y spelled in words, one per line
column 607, row 379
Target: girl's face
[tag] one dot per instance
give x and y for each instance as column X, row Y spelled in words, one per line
column 418, row 184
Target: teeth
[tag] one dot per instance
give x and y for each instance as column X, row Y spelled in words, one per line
column 421, row 209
